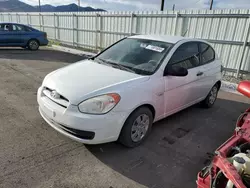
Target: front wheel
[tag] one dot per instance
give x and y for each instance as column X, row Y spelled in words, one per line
column 33, row 45
column 211, row 97
column 137, row 127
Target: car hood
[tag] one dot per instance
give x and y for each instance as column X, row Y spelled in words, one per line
column 86, row 79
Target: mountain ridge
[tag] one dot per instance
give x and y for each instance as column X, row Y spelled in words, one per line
column 19, row 6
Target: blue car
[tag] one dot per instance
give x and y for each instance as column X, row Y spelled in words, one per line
column 18, row 35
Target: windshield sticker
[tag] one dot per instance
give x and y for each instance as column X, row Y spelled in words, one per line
column 155, row 48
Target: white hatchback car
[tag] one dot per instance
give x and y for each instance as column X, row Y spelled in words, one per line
column 119, row 93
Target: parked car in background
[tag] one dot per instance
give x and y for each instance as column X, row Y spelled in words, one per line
column 119, row 93
column 18, row 35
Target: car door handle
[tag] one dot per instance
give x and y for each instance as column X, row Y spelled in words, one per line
column 199, row 74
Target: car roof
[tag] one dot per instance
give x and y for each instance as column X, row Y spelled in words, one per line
column 11, row 23
column 163, row 38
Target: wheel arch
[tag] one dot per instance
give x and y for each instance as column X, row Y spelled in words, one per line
column 150, row 106
column 122, row 138
column 147, row 105
column 33, row 39
column 219, row 84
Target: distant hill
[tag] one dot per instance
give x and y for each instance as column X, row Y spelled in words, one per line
column 47, row 8
column 15, row 6
column 73, row 7
column 18, row 6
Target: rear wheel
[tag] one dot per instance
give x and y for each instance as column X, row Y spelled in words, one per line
column 33, row 44
column 211, row 97
column 137, row 127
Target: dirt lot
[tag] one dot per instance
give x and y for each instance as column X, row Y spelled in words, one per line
column 33, row 155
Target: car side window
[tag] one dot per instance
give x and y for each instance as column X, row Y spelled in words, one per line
column 207, row 53
column 5, row 27
column 186, row 56
column 18, row 27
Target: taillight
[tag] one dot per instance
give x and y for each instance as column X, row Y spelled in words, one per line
column 45, row 35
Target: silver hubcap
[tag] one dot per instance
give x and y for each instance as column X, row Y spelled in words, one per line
column 213, row 95
column 33, row 45
column 140, row 127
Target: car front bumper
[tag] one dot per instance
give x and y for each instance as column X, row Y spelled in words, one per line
column 85, row 128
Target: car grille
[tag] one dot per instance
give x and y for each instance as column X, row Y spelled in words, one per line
column 60, row 100
column 87, row 135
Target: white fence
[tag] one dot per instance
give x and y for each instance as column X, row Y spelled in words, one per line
column 227, row 30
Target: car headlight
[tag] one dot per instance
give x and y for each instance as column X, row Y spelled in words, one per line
column 100, row 104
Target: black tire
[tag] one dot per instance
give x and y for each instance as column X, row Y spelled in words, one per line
column 208, row 102
column 126, row 133
column 33, row 44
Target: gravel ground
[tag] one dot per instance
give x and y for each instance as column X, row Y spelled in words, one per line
column 32, row 155
column 231, row 77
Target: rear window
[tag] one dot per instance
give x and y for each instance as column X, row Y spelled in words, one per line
column 29, row 29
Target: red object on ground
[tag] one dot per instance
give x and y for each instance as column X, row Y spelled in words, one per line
column 220, row 162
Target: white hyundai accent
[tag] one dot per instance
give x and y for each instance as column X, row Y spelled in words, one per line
column 119, row 93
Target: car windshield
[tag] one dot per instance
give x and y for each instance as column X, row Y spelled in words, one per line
column 141, row 56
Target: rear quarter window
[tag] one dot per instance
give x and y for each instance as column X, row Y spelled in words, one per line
column 30, row 29
column 207, row 53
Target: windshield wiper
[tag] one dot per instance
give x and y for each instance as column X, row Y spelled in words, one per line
column 122, row 67
column 116, row 65
column 102, row 61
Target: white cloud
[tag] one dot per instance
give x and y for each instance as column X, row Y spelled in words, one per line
column 54, row 2
column 117, row 5
column 230, row 4
column 187, row 4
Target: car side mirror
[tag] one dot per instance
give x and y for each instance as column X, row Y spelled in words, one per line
column 175, row 71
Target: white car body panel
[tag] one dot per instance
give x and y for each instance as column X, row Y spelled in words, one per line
column 87, row 79
column 78, row 80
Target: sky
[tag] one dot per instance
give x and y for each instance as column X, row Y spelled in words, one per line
column 133, row 5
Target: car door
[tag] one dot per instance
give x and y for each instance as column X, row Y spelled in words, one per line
column 19, row 34
column 210, row 66
column 5, row 34
column 181, row 92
